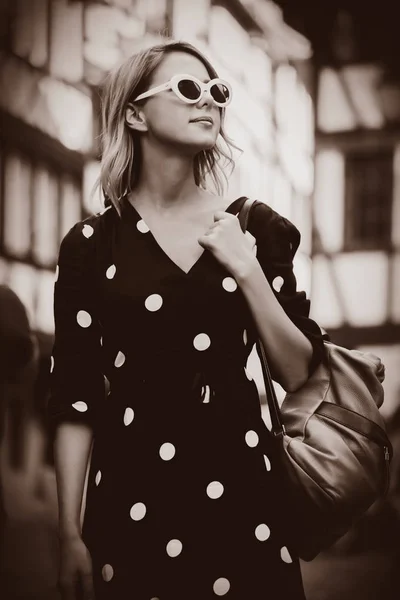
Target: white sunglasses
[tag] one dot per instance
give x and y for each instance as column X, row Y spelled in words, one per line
column 189, row 89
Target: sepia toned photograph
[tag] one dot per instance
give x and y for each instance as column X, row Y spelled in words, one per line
column 199, row 300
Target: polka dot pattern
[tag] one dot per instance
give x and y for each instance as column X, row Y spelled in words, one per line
column 206, row 394
column 215, row 489
column 262, row 532
column 138, row 511
column 174, row 548
column 80, row 406
column 153, row 302
column 171, row 310
column 84, row 319
column 167, row 451
column 277, row 283
column 267, row 462
column 107, row 572
column 87, row 231
column 251, row 438
column 285, row 556
column 221, row 586
column 128, row 416
column 142, row 227
column 119, row 359
column 201, row 342
column 229, row 284
column 111, row 272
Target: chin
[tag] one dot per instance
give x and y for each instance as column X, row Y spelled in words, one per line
column 206, row 142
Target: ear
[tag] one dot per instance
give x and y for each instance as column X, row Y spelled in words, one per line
column 135, row 118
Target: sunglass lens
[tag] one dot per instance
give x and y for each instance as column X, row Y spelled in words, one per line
column 220, row 93
column 189, row 89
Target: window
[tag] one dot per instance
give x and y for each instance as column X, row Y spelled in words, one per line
column 369, row 193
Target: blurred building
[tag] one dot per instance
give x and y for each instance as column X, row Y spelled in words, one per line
column 356, row 250
column 53, row 56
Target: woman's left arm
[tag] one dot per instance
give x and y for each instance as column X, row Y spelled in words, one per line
column 292, row 341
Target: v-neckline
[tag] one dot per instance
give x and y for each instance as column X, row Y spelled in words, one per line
column 139, row 217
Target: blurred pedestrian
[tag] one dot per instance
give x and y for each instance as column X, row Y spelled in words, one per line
column 18, row 349
column 162, row 294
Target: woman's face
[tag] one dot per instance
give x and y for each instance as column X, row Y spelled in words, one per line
column 169, row 120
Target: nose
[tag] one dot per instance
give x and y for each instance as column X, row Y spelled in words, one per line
column 206, row 99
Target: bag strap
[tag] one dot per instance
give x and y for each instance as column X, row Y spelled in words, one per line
column 278, row 428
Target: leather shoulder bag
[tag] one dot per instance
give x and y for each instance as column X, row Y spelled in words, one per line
column 334, row 450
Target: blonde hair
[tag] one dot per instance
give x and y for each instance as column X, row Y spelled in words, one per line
column 120, row 146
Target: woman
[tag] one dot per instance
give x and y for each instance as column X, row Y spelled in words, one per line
column 164, row 295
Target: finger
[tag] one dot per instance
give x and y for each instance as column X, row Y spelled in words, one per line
column 205, row 241
column 250, row 237
column 221, row 214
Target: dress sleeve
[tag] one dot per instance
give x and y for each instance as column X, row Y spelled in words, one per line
column 277, row 241
column 77, row 385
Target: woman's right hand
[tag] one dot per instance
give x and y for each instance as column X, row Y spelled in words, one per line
column 75, row 580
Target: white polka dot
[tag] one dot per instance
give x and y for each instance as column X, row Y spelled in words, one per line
column 154, row 598
column 245, row 337
column 83, row 318
column 285, row 556
column 57, row 273
column 80, row 406
column 128, row 416
column 138, row 511
column 262, row 532
column 205, row 393
column 141, row 225
column 248, row 375
column 120, row 359
column 174, row 548
column 267, row 462
column 107, row 572
column 221, row 586
column 98, row 478
column 277, row 283
column 215, row 489
column 87, row 231
column 167, row 451
column 229, row 284
column 201, row 341
column 251, row 438
column 153, row 302
column 51, row 364
column 111, row 271
column 101, row 341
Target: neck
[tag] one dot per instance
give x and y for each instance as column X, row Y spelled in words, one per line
column 166, row 179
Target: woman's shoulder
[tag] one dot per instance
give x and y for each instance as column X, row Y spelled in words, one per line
column 90, row 226
column 86, row 235
column 268, row 224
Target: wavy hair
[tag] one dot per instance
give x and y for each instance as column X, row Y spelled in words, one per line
column 120, row 146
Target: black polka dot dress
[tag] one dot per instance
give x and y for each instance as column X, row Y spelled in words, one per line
column 183, row 498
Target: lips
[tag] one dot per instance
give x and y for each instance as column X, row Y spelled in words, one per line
column 203, row 120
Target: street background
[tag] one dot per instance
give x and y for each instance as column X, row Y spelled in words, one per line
column 316, row 112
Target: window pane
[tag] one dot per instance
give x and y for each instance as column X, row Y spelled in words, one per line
column 45, row 216
column 17, row 236
column 369, row 200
